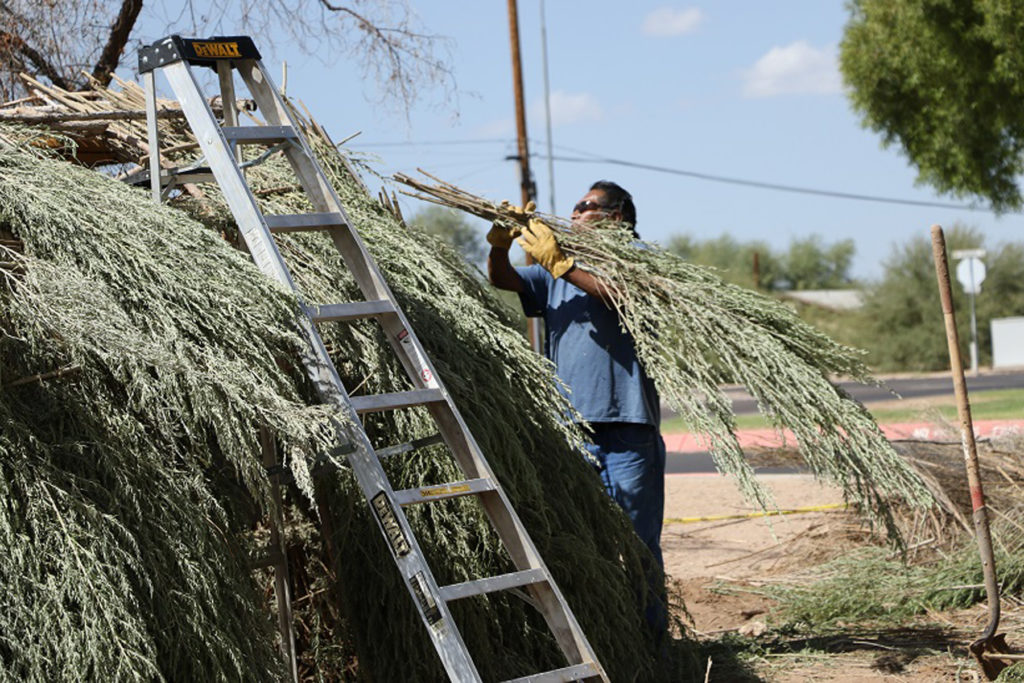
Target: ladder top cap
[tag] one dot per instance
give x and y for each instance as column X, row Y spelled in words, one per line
column 198, row 51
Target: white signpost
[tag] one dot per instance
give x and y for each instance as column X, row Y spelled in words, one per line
column 971, row 273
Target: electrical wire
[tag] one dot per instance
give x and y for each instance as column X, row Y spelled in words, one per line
column 434, row 143
column 778, row 187
column 590, row 158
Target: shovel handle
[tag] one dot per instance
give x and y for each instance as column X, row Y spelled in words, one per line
column 963, row 407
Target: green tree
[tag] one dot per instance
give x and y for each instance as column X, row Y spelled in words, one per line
column 901, row 324
column 733, row 258
column 454, row 228
column 808, row 263
column 811, row 264
column 941, row 78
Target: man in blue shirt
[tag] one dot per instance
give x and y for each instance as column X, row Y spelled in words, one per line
column 594, row 356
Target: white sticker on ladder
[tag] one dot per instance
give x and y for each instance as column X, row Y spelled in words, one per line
column 413, row 352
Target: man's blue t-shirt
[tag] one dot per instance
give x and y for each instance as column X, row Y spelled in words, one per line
column 593, row 355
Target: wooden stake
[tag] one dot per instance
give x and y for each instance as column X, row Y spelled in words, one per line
column 65, row 371
column 988, row 642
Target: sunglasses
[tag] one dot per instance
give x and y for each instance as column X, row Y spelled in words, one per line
column 588, row 205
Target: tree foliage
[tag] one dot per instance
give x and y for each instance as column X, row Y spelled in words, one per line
column 811, row 264
column 902, row 323
column 61, row 42
column 808, row 263
column 941, row 79
column 454, row 228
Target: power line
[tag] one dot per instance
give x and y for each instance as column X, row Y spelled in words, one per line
column 590, row 158
column 433, row 143
column 769, row 186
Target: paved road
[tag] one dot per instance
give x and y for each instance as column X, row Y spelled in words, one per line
column 906, row 387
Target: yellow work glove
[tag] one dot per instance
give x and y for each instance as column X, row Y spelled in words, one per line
column 500, row 235
column 520, row 214
column 538, row 240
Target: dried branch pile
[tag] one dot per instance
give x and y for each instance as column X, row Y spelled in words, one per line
column 106, row 125
column 132, row 489
column 127, row 487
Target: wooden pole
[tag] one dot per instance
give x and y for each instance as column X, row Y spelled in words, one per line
column 44, row 376
column 527, row 190
column 526, row 186
column 987, row 644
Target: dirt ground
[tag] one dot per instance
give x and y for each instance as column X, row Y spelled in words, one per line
column 719, row 564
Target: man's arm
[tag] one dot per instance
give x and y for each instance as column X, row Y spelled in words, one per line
column 590, row 284
column 500, row 271
column 539, row 241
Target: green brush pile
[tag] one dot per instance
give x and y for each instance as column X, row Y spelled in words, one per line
column 872, row 586
column 129, row 486
column 1012, row 674
column 133, row 493
column 695, row 333
column 509, row 398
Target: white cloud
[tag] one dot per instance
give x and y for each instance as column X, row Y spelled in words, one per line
column 567, row 108
column 667, row 21
column 794, row 69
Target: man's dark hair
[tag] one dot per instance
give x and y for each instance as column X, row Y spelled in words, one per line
column 617, row 199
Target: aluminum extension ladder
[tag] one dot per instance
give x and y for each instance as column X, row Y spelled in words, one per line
column 175, row 57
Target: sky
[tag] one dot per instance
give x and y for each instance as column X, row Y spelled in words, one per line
column 731, row 88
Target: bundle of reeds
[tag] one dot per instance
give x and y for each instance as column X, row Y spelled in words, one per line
column 695, row 333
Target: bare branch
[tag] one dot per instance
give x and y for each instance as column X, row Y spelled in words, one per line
column 15, row 44
column 56, row 40
column 119, row 33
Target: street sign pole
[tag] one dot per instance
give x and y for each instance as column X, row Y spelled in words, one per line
column 971, row 272
column 974, row 335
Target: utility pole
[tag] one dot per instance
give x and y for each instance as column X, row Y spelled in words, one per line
column 528, row 191
column 547, row 107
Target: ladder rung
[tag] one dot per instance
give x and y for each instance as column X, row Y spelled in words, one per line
column 188, row 178
column 352, row 311
column 428, row 494
column 258, row 135
column 401, row 399
column 569, row 673
column 492, row 584
column 398, row 449
column 195, row 175
column 296, row 222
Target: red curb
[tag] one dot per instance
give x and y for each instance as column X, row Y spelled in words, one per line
column 769, row 438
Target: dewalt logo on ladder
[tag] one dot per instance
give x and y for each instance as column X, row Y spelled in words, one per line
column 223, row 50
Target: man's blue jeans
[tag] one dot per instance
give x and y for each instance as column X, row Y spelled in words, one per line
column 632, row 467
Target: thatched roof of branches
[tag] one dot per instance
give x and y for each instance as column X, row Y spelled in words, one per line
column 139, row 359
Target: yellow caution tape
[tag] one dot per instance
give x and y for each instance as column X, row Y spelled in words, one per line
column 751, row 515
